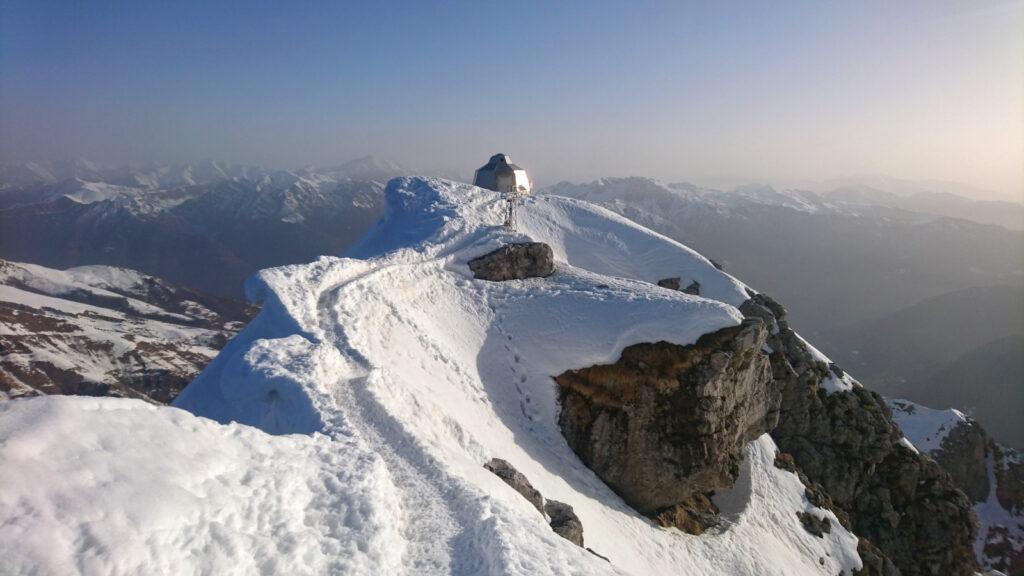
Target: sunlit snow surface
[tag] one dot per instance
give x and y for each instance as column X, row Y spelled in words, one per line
column 387, row 380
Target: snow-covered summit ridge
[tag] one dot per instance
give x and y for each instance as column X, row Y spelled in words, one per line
column 440, row 372
column 397, row 360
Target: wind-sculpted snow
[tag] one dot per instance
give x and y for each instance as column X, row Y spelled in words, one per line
column 397, row 361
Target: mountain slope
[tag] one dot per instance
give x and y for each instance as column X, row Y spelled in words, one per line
column 401, row 360
column 994, row 370
column 1006, row 214
column 104, row 331
column 991, row 474
column 923, row 333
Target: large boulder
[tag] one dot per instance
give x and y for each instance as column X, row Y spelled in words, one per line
column 514, row 262
column 666, row 422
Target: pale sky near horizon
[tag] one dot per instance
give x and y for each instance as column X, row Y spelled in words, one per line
column 706, row 92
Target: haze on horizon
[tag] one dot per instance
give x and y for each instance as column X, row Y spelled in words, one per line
column 705, row 92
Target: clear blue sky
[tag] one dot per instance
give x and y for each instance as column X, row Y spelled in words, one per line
column 769, row 91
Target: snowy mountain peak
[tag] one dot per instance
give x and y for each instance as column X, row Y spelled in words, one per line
column 384, row 381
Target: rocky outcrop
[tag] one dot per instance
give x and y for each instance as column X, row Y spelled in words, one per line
column 813, row 491
column 1002, row 533
column 666, row 422
column 560, row 516
column 515, row 262
column 517, row 481
column 874, row 563
column 564, row 521
column 1001, row 537
column 900, row 501
column 987, row 472
column 1009, row 472
column 962, row 455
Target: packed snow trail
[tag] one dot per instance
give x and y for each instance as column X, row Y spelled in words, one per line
column 398, row 356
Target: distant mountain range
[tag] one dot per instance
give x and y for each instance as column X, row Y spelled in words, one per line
column 207, row 226
column 1007, row 214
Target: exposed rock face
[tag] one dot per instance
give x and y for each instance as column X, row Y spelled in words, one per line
column 988, row 473
column 902, row 502
column 874, row 562
column 668, row 422
column 561, row 517
column 963, row 456
column 693, row 515
column 1009, row 472
column 517, row 481
column 564, row 521
column 813, row 491
column 1002, row 540
column 514, row 262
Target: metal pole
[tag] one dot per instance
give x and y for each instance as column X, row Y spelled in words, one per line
column 512, row 199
